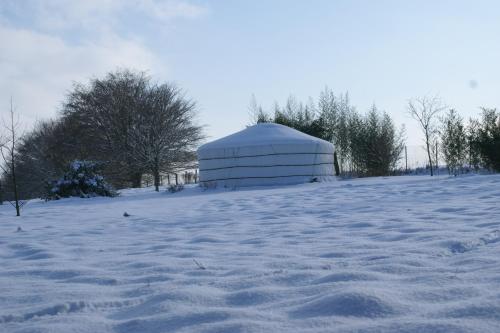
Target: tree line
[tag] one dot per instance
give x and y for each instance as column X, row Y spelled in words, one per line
column 126, row 123
column 463, row 146
column 475, row 144
column 367, row 144
column 370, row 144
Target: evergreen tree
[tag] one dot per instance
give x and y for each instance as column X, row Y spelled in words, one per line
column 328, row 110
column 474, row 155
column 453, row 142
column 366, row 145
column 341, row 132
column 489, row 139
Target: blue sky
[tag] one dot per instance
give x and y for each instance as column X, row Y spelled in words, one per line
column 222, row 52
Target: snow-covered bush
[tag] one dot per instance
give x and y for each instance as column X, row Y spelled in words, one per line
column 81, row 180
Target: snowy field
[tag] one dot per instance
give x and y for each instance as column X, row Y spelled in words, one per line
column 401, row 254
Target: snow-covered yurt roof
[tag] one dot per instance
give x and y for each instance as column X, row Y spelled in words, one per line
column 265, row 154
column 265, row 134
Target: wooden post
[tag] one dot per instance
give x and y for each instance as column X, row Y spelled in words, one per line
column 336, row 164
column 176, row 179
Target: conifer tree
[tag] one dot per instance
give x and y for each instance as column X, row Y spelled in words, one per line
column 453, row 142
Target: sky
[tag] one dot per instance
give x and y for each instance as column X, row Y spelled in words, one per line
column 222, row 52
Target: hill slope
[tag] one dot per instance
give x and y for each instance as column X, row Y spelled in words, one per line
column 403, row 254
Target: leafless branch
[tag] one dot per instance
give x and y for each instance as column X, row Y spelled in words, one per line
column 425, row 110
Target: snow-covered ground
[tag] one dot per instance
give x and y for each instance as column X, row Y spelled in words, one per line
column 401, row 254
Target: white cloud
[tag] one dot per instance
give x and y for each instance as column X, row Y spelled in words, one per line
column 94, row 15
column 166, row 10
column 59, row 15
column 47, row 45
column 37, row 69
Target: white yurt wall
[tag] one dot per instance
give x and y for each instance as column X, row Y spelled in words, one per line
column 265, row 154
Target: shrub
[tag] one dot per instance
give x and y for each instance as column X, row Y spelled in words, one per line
column 80, row 180
column 175, row 188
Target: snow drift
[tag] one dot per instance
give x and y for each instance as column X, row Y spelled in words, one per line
column 396, row 254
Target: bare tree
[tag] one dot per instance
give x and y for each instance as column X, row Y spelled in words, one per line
column 425, row 110
column 105, row 111
column 133, row 126
column 8, row 150
column 165, row 134
column 256, row 112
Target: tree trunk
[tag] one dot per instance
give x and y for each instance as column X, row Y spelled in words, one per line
column 437, row 159
column 406, row 160
column 14, row 183
column 336, row 164
column 430, row 159
column 156, row 177
column 429, row 153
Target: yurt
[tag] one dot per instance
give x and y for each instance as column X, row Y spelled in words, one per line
column 265, row 154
